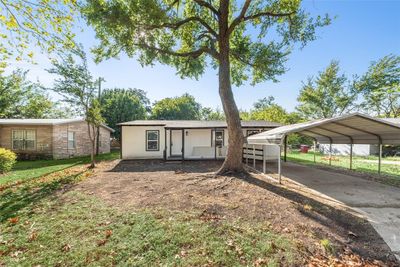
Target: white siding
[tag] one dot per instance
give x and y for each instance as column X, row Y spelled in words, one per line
column 134, row 142
column 342, row 150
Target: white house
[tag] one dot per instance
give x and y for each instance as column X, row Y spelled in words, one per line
column 181, row 139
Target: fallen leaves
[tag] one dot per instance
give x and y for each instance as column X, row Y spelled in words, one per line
column 13, row 220
column 102, row 242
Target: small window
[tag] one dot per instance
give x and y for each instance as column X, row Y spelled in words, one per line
column 252, row 132
column 23, row 139
column 152, row 140
column 219, row 138
column 71, row 140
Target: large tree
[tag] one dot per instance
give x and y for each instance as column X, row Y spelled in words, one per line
column 330, row 94
column 244, row 41
column 380, row 87
column 182, row 107
column 79, row 89
column 20, row 98
column 42, row 23
column 119, row 105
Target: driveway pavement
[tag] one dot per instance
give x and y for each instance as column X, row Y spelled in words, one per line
column 378, row 202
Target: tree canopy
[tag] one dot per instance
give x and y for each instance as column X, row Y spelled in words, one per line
column 330, row 94
column 79, row 88
column 192, row 35
column 120, row 105
column 183, row 107
column 380, row 87
column 44, row 23
column 20, row 98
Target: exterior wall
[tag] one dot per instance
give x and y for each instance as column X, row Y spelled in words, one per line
column 134, row 142
column 343, row 149
column 199, row 143
column 82, row 142
column 43, row 138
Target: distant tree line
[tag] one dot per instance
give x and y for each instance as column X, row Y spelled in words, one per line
column 330, row 93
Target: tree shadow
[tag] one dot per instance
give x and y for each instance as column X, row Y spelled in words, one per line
column 198, row 166
column 357, row 232
column 13, row 201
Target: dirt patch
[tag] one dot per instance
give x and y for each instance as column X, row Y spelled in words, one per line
column 192, row 186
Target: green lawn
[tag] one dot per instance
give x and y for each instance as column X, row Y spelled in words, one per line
column 26, row 170
column 359, row 163
column 41, row 225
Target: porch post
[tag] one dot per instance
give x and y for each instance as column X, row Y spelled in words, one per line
column 254, row 156
column 215, row 144
column 330, row 153
column 264, row 160
column 279, row 165
column 183, row 144
column 165, row 144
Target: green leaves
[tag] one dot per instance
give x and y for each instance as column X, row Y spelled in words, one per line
column 184, row 107
column 186, row 34
column 380, row 87
column 328, row 95
column 44, row 23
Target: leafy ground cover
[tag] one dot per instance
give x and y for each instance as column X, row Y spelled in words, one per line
column 368, row 165
column 26, row 170
column 153, row 214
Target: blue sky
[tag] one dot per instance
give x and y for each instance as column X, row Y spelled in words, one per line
column 362, row 32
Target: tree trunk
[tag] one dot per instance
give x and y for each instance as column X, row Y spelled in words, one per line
column 93, row 143
column 233, row 161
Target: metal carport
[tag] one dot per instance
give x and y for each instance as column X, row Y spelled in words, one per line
column 349, row 129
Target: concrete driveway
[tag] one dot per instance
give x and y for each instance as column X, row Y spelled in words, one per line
column 378, row 202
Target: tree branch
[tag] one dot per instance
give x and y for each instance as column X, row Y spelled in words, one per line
column 207, row 5
column 193, row 54
column 268, row 14
column 239, row 18
column 178, row 24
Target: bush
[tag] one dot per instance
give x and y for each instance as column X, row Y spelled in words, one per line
column 7, row 160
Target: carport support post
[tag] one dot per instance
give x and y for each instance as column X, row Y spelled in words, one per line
column 279, row 165
column 254, row 156
column 380, row 157
column 285, row 148
column 351, row 156
column 315, row 150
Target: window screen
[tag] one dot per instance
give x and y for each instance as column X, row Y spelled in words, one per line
column 152, row 140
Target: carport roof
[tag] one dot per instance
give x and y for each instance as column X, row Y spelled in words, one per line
column 353, row 128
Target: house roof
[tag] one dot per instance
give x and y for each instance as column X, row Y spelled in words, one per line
column 187, row 124
column 43, row 122
column 392, row 120
column 353, row 128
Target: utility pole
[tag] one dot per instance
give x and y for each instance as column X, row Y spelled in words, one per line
column 98, row 127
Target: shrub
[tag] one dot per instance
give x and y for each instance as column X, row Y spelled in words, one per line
column 7, row 160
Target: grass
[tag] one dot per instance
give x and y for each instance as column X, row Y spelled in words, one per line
column 26, row 170
column 361, row 164
column 41, row 225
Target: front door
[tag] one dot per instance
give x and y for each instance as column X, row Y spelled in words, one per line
column 176, row 143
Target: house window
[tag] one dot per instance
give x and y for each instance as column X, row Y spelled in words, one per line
column 152, row 140
column 23, row 139
column 71, row 140
column 219, row 138
column 252, row 132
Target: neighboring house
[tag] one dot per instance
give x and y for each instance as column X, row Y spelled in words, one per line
column 50, row 138
column 358, row 150
column 179, row 139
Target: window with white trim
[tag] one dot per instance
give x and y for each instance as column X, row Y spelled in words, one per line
column 23, row 139
column 71, row 140
column 152, row 140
